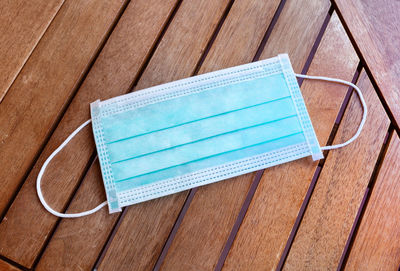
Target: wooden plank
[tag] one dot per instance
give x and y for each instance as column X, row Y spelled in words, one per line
column 240, row 35
column 27, row 224
column 266, row 227
column 72, row 246
column 375, row 26
column 46, row 82
column 4, row 266
column 156, row 217
column 327, row 222
column 296, row 31
column 206, row 226
column 22, row 24
column 377, row 243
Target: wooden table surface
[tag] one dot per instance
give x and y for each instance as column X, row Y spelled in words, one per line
column 342, row 212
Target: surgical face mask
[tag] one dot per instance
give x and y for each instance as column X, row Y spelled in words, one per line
column 200, row 130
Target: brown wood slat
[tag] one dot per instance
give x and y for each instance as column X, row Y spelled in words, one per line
column 296, row 30
column 269, row 220
column 240, row 35
column 188, row 50
column 78, row 242
column 27, row 224
column 127, row 233
column 4, row 266
column 377, row 243
column 22, row 24
column 327, row 222
column 46, row 82
column 205, row 228
column 375, row 26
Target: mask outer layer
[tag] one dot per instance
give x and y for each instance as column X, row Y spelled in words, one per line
column 200, row 130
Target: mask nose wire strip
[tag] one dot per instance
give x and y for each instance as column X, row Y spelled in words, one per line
column 42, row 170
column 359, row 93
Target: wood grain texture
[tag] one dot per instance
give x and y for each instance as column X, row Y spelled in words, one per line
column 375, row 26
column 44, row 85
column 4, row 266
column 184, row 42
column 78, row 242
column 377, row 243
column 240, row 35
column 296, row 31
column 207, row 224
column 22, row 24
column 27, row 224
column 146, row 226
column 269, row 220
column 332, row 209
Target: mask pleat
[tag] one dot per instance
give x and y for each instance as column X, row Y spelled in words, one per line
column 209, row 103
column 189, row 129
column 205, row 148
column 200, row 130
column 296, row 139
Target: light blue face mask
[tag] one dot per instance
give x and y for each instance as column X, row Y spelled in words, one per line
column 200, row 130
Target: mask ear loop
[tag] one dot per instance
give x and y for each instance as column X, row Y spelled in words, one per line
column 40, row 175
column 359, row 93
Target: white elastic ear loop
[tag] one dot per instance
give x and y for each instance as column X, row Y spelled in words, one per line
column 41, row 172
column 364, row 105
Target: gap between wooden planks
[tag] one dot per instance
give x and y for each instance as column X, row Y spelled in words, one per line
column 375, row 28
column 340, row 188
column 205, row 228
column 22, row 25
column 188, row 50
column 45, row 84
column 277, row 200
column 39, row 93
column 5, row 266
column 112, row 74
column 376, row 245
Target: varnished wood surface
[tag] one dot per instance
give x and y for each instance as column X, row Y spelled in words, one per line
column 4, row 266
column 286, row 185
column 77, row 52
column 22, row 25
column 112, row 74
column 375, row 26
column 43, row 87
column 340, row 187
column 377, row 244
column 37, row 97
